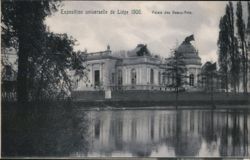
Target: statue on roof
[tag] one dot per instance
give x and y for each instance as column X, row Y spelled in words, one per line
column 188, row 39
column 143, row 50
column 108, row 47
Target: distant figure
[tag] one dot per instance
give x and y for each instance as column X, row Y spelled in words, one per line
column 188, row 39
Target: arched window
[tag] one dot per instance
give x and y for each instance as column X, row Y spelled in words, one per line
column 133, row 76
column 191, row 80
column 119, row 77
column 152, row 76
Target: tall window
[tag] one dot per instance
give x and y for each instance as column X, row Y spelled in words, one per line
column 113, row 78
column 191, row 80
column 152, row 76
column 119, row 77
column 97, row 129
column 168, row 79
column 133, row 76
column 97, row 77
column 159, row 78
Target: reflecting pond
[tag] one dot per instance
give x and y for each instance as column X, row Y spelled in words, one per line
column 65, row 131
column 166, row 133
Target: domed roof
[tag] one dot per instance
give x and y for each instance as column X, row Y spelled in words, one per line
column 189, row 53
column 187, row 49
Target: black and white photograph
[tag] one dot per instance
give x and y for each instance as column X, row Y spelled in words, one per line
column 125, row 79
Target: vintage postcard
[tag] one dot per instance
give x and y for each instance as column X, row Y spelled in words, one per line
column 127, row 79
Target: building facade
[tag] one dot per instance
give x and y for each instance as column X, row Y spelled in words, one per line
column 137, row 69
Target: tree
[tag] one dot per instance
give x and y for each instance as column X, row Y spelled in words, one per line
column 223, row 56
column 232, row 47
column 242, row 40
column 233, row 54
column 23, row 28
column 210, row 75
column 234, row 65
column 54, row 72
column 247, row 61
column 176, row 71
column 237, row 60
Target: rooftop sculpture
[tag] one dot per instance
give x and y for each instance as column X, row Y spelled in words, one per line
column 188, row 39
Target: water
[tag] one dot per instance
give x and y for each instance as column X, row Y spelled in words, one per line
column 166, row 133
column 63, row 131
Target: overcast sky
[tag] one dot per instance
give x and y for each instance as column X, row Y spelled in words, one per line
column 124, row 32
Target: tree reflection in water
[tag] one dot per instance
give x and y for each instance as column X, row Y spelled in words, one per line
column 43, row 130
column 187, row 143
column 169, row 132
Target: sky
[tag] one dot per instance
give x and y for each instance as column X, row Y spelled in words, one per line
column 161, row 33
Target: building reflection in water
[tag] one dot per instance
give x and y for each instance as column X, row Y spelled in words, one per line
column 169, row 133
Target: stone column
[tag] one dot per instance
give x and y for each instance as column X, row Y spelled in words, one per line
column 139, row 75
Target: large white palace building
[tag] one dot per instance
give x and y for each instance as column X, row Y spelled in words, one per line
column 137, row 69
